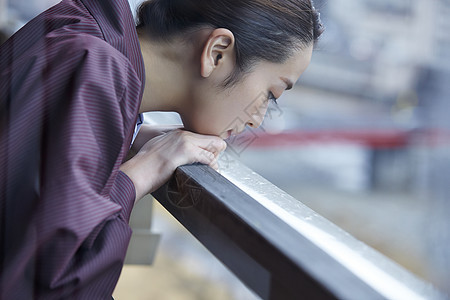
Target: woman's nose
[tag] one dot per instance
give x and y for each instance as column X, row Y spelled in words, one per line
column 256, row 121
column 257, row 117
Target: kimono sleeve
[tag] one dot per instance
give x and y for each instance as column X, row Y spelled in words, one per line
column 67, row 128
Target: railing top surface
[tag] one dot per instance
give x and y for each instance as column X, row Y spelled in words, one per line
column 382, row 274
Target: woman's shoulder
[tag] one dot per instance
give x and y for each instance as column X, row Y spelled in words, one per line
column 84, row 44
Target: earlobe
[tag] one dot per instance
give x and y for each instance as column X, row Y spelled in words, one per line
column 220, row 44
column 206, row 69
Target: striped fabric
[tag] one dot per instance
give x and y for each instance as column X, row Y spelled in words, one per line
column 71, row 82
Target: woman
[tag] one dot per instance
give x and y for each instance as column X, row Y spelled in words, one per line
column 71, row 84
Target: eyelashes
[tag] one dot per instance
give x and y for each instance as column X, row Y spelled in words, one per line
column 272, row 98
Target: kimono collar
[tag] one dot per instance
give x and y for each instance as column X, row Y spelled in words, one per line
column 119, row 29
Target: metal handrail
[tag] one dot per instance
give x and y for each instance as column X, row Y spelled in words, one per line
column 277, row 246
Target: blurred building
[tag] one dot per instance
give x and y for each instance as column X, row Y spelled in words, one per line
column 376, row 49
column 15, row 13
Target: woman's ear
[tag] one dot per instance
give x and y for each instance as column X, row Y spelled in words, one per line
column 218, row 48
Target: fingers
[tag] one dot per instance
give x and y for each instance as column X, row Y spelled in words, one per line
column 217, row 146
column 208, row 158
column 215, row 164
column 205, row 157
column 202, row 148
column 180, row 147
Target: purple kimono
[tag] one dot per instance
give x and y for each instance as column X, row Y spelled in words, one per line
column 71, row 83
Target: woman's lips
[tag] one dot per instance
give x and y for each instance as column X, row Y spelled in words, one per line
column 232, row 132
column 229, row 134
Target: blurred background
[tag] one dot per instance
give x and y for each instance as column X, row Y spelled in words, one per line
column 363, row 139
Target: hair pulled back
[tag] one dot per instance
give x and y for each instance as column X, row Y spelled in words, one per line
column 263, row 29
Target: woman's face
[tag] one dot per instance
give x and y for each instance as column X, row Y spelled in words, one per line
column 227, row 111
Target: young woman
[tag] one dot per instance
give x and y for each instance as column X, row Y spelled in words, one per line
column 71, row 87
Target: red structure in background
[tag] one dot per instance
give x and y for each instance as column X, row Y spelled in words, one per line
column 374, row 139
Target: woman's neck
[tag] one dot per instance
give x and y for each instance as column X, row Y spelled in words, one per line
column 167, row 73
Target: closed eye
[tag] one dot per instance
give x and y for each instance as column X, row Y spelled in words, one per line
column 272, row 98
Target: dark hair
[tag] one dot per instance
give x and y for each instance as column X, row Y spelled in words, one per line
column 264, row 29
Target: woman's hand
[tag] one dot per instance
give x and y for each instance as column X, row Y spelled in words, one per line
column 148, row 132
column 153, row 165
